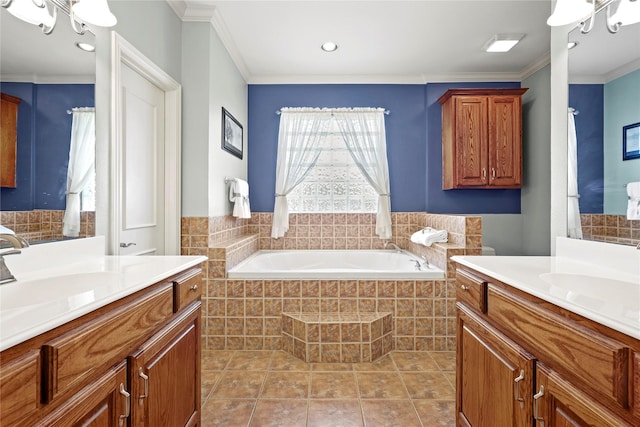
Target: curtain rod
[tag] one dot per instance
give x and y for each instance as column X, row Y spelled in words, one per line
column 278, row 112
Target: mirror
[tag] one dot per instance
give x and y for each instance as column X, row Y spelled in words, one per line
column 51, row 75
column 604, row 89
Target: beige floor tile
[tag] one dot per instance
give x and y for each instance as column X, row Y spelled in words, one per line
column 286, row 385
column 446, row 360
column 283, row 361
column 280, row 413
column 250, row 360
column 428, row 385
column 333, row 385
column 436, row 413
column 238, row 385
column 227, row 413
column 384, row 364
column 414, row 361
column 207, row 382
column 331, row 367
column 381, row 385
column 343, row 413
column 215, row 360
column 389, row 413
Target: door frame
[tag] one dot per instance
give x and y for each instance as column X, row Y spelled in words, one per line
column 123, row 52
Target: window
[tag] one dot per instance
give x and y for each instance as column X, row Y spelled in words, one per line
column 334, row 184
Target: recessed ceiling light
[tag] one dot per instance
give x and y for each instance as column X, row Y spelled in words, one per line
column 571, row 45
column 502, row 42
column 329, row 46
column 86, row 47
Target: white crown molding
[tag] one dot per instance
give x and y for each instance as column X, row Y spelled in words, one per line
column 600, row 79
column 221, row 29
column 36, row 79
column 178, row 6
column 621, row 71
column 536, row 66
column 334, row 79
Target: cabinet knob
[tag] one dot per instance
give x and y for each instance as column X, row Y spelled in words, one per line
column 194, row 288
column 464, row 287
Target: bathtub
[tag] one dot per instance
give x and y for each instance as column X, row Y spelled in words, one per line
column 333, row 264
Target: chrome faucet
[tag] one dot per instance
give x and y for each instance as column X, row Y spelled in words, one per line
column 17, row 243
column 393, row 245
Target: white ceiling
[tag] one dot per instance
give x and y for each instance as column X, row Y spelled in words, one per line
column 392, row 41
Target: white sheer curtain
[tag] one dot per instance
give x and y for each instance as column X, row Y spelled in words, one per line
column 301, row 130
column 574, row 227
column 363, row 131
column 81, row 166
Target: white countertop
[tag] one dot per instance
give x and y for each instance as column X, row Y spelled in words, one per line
column 71, row 279
column 587, row 280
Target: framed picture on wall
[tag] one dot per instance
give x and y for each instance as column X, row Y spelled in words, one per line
column 231, row 134
column 631, row 141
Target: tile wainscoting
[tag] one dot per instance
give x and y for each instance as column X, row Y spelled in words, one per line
column 42, row 224
column 610, row 228
column 246, row 314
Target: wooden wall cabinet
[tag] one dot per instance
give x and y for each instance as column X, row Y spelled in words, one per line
column 8, row 139
column 133, row 363
column 482, row 138
column 522, row 361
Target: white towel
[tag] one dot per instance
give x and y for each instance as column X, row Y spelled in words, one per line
column 427, row 236
column 633, row 208
column 239, row 195
column 5, row 230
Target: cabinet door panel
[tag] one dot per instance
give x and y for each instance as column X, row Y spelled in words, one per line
column 20, row 388
column 563, row 405
column 165, row 372
column 495, row 376
column 103, row 403
column 471, row 140
column 505, row 156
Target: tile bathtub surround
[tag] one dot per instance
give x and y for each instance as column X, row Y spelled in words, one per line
column 45, row 224
column 273, row 388
column 239, row 315
column 336, row 337
column 610, row 228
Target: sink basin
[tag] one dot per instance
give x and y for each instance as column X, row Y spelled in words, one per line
column 608, row 296
column 70, row 289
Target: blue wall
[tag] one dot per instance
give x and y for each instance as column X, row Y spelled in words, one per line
column 414, row 146
column 44, row 133
column 588, row 100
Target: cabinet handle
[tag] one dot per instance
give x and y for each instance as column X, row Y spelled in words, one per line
column 194, row 288
column 464, row 287
column 484, row 174
column 493, row 174
column 536, row 400
column 516, row 388
column 127, row 400
column 145, row 378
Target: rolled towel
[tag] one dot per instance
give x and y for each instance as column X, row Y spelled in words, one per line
column 5, row 230
column 633, row 207
column 427, row 236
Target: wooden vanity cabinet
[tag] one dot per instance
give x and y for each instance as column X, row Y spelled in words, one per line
column 91, row 371
column 575, row 372
column 481, row 138
column 8, row 139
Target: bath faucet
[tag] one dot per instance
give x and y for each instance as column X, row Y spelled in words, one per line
column 17, row 243
column 393, row 245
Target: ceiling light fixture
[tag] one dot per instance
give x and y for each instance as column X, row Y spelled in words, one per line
column 44, row 13
column 329, row 46
column 568, row 12
column 502, row 42
column 87, row 47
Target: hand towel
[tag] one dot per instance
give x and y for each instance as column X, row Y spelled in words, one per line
column 5, row 230
column 633, row 207
column 427, row 236
column 239, row 195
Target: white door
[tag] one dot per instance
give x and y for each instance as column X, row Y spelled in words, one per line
column 142, row 184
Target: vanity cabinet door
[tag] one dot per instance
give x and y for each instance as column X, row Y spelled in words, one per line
column 471, row 141
column 495, row 376
column 557, row 403
column 165, row 372
column 505, row 141
column 106, row 402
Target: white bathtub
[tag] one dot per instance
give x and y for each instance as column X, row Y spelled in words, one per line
column 333, row 264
